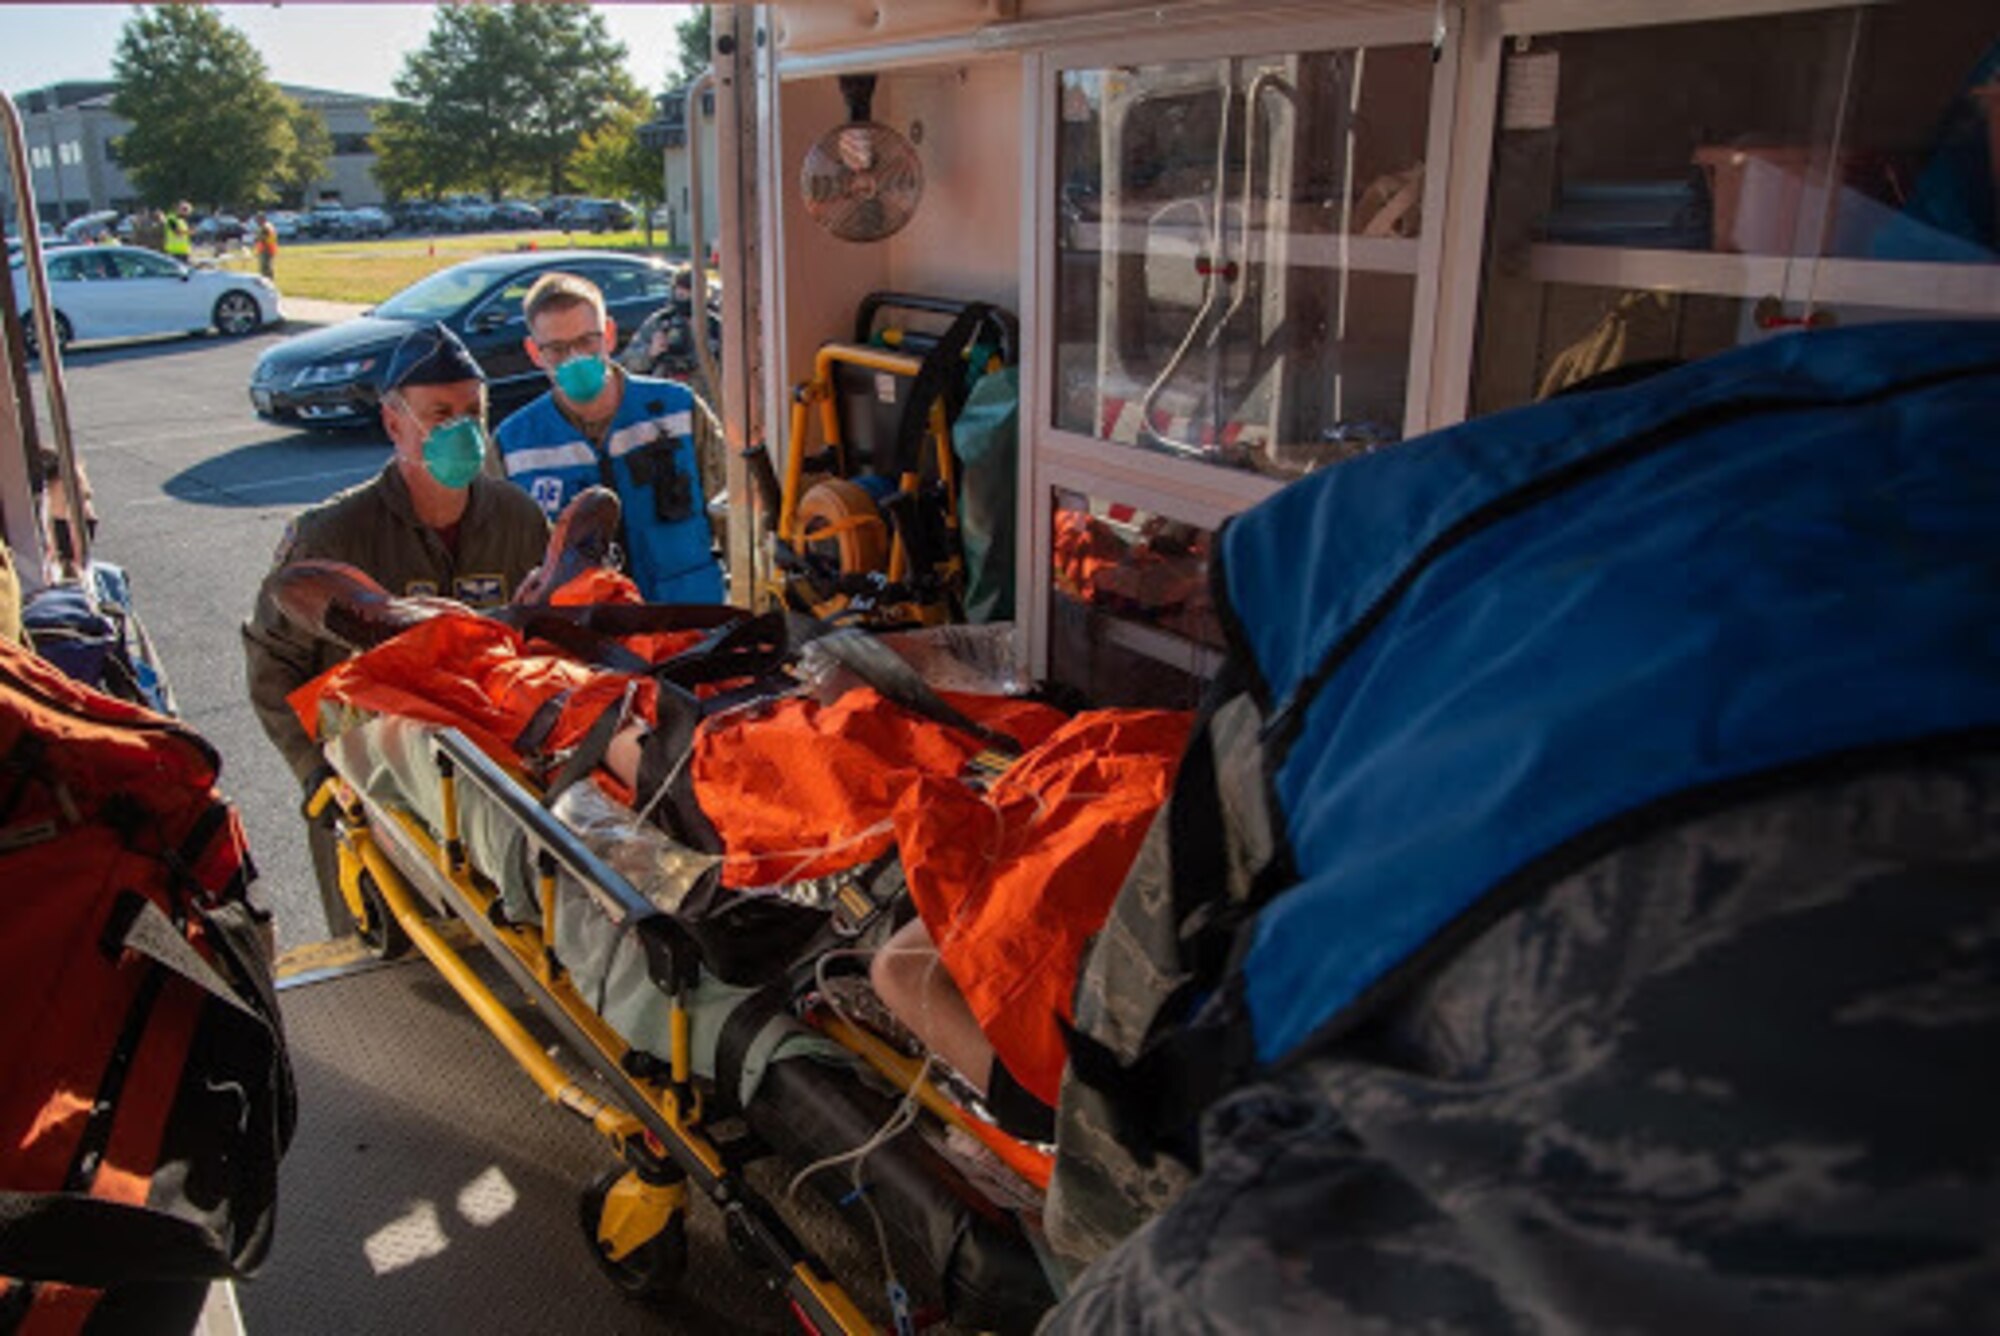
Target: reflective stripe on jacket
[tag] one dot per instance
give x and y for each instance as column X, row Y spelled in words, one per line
column 648, row 458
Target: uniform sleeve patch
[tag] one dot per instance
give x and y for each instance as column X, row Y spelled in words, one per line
column 480, row 591
column 421, row 589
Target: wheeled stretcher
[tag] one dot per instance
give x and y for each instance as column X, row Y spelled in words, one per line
column 678, row 1031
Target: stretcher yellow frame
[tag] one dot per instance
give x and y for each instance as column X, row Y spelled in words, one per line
column 660, row 1133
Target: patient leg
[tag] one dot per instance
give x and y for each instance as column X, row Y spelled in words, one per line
column 913, row 983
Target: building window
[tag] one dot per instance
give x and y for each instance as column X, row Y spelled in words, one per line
column 38, row 157
column 347, row 146
column 70, row 152
column 111, row 151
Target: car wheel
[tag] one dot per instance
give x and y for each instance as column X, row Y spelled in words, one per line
column 32, row 343
column 236, row 313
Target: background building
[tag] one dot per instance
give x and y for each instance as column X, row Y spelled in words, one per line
column 667, row 134
column 73, row 134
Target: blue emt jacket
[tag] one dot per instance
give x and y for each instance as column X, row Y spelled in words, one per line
column 647, row 457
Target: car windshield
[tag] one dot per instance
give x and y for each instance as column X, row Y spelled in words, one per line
column 442, row 294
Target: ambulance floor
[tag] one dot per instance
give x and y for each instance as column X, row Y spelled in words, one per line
column 431, row 1189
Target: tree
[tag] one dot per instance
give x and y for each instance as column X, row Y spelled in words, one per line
column 410, row 162
column 462, row 88
column 692, row 33
column 498, row 96
column 576, row 83
column 207, row 122
column 305, row 161
column 614, row 162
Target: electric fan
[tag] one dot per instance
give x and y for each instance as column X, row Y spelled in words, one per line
column 862, row 180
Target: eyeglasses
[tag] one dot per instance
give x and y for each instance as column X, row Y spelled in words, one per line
column 561, row 350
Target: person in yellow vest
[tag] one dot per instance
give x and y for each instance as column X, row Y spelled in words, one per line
column 267, row 245
column 177, row 243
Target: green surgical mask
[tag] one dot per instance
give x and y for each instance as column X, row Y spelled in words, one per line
column 581, row 378
column 454, row 451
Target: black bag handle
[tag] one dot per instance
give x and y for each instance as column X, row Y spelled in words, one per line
column 938, row 374
column 1002, row 325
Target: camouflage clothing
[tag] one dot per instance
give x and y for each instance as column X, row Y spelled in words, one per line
column 1108, row 1181
column 1734, row 1077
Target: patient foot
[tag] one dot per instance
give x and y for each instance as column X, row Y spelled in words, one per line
column 584, row 537
column 339, row 602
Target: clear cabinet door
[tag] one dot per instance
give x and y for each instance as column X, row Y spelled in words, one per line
column 1664, row 192
column 1236, row 253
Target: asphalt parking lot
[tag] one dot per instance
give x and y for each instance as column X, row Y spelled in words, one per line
column 192, row 493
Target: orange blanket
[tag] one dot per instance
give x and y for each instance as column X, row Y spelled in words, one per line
column 1011, row 882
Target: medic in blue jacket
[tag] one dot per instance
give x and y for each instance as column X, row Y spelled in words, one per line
column 601, row 424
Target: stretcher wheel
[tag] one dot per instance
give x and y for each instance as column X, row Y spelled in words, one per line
column 654, row 1268
column 377, row 927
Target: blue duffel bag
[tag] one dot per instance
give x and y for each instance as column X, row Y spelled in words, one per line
column 98, row 641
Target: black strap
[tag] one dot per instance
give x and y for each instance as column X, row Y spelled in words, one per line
column 940, row 372
column 75, row 1239
column 535, row 733
column 747, row 1020
column 750, row 648
column 583, row 643
column 590, row 631
column 662, row 757
column 24, row 761
column 588, row 752
column 601, row 451
column 181, row 862
column 619, row 619
column 1018, row 1110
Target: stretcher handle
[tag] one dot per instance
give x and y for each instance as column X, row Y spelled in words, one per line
column 614, row 895
column 1004, row 328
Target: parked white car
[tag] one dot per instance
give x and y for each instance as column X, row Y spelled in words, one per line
column 118, row 292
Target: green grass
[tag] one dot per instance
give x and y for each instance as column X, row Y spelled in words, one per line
column 368, row 272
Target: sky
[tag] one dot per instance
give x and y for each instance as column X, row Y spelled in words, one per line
column 350, row 48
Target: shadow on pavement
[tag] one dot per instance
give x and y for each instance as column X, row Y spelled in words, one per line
column 298, row 468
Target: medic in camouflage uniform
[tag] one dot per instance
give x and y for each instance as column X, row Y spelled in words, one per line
column 434, row 521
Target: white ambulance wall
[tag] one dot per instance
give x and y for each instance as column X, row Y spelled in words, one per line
column 805, row 27
column 964, row 241
column 825, row 278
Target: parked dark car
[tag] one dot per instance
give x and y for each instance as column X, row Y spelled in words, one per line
column 367, row 221
column 323, row 220
column 332, row 377
column 516, row 213
column 218, row 227
column 597, row 215
column 416, row 215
